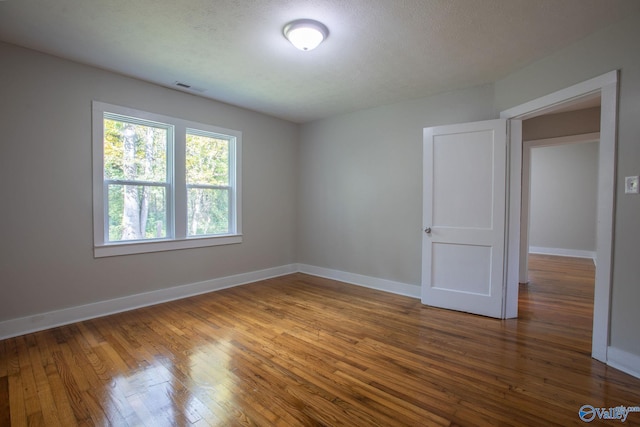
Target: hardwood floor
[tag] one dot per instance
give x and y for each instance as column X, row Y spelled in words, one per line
column 305, row 351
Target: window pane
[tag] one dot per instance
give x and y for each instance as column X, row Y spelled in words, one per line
column 208, row 211
column 134, row 152
column 137, row 212
column 207, row 160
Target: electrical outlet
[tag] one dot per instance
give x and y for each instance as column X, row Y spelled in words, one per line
column 631, row 185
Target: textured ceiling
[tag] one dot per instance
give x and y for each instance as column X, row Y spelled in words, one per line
column 378, row 51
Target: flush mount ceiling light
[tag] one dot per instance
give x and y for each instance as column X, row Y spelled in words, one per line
column 305, row 34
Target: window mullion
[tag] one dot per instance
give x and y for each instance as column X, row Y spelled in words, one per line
column 134, row 182
column 209, row 187
column 179, row 183
column 234, row 182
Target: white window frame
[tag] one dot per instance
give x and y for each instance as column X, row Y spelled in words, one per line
column 177, row 233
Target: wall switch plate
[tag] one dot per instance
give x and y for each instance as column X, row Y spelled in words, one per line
column 631, row 185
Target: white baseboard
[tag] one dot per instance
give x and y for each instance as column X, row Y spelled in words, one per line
column 616, row 358
column 360, row 280
column 24, row 325
column 624, row 361
column 39, row 322
column 575, row 253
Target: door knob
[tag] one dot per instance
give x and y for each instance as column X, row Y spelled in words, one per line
column 427, row 230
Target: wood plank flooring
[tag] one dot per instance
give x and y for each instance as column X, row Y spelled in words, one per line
column 305, row 351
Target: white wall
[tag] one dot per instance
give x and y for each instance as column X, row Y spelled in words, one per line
column 46, row 248
column 564, row 199
column 360, row 190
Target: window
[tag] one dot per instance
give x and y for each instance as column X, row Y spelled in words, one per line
column 162, row 183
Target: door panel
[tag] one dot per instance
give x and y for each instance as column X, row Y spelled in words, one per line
column 474, row 278
column 464, row 204
column 453, row 203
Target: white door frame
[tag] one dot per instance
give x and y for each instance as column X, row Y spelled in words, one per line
column 607, row 86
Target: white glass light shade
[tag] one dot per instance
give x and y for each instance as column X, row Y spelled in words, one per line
column 305, row 34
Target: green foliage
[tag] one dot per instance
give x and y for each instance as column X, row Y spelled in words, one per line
column 156, row 219
column 207, row 164
column 207, row 160
column 207, row 211
column 148, row 161
column 136, row 152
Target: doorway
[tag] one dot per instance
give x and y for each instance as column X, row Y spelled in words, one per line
column 606, row 87
column 555, row 171
column 559, row 175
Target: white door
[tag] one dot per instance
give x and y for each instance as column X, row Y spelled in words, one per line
column 464, row 202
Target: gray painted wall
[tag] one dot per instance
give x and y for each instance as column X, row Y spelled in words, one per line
column 562, row 124
column 46, row 252
column 564, row 180
column 361, row 184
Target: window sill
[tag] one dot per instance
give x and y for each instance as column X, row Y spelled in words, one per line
column 117, row 249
